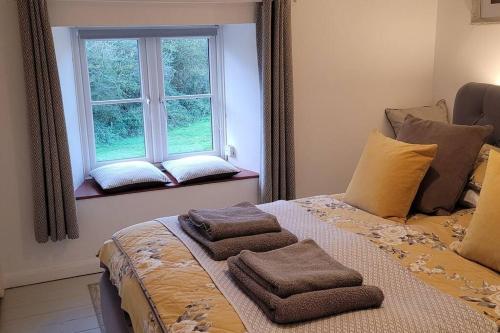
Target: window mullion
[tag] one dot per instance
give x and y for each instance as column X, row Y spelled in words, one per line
column 146, row 99
column 87, row 102
column 217, row 114
column 154, row 95
column 163, row 117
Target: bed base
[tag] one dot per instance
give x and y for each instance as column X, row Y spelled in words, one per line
column 115, row 319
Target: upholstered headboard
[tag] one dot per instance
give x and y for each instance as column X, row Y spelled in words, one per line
column 479, row 104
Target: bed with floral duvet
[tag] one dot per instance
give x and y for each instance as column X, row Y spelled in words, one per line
column 163, row 288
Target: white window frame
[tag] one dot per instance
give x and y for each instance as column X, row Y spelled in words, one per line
column 152, row 90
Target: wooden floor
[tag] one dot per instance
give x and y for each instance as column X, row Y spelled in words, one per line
column 62, row 306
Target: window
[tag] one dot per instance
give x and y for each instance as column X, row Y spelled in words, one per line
column 116, row 99
column 188, row 97
column 149, row 94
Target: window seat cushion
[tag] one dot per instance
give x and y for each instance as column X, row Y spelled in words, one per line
column 125, row 176
column 199, row 168
column 89, row 189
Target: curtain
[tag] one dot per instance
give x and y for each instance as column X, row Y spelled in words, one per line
column 277, row 178
column 53, row 193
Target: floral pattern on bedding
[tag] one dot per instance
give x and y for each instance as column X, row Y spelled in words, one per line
column 193, row 319
column 421, row 243
column 121, row 274
column 164, row 273
column 189, row 301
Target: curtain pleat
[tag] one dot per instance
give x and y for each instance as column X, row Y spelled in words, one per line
column 53, row 192
column 277, row 178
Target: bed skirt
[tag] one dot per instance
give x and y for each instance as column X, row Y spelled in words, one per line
column 113, row 315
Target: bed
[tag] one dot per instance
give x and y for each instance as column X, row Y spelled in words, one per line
column 155, row 277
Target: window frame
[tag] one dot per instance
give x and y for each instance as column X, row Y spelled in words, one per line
column 152, row 90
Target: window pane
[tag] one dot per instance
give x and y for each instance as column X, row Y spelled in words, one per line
column 186, row 66
column 114, row 69
column 119, row 131
column 189, row 125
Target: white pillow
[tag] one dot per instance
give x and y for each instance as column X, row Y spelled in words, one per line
column 199, row 168
column 125, row 176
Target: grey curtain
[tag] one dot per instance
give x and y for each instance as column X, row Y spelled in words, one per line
column 53, row 194
column 277, row 178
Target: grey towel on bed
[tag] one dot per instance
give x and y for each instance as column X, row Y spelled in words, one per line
column 305, row 306
column 298, row 268
column 243, row 219
column 225, row 248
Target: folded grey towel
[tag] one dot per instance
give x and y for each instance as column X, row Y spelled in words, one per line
column 309, row 305
column 225, row 248
column 296, row 269
column 244, row 219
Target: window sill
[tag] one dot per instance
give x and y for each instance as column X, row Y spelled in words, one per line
column 90, row 189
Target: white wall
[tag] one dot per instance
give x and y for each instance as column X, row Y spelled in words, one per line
column 242, row 94
column 16, row 217
column 64, row 55
column 465, row 52
column 352, row 59
column 81, row 13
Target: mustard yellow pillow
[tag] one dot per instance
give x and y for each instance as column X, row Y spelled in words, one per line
column 477, row 177
column 482, row 239
column 388, row 176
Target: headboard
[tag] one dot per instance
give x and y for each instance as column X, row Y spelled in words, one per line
column 479, row 104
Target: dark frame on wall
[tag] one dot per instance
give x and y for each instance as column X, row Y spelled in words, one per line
column 485, row 11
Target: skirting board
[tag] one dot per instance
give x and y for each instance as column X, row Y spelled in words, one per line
column 22, row 278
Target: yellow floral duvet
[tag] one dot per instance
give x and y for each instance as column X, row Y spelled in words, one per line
column 187, row 300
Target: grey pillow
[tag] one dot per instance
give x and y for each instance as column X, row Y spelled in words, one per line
column 458, row 146
column 126, row 176
column 439, row 112
column 199, row 168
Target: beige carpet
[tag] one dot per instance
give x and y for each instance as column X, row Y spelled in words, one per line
column 95, row 295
